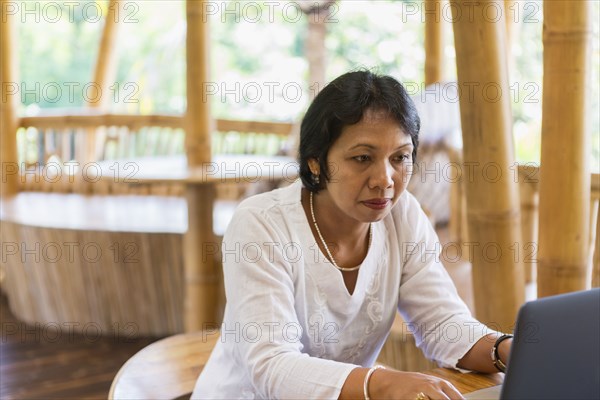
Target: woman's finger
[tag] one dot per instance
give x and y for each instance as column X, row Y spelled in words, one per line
column 452, row 392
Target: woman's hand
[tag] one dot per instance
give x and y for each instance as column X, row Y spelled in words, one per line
column 391, row 384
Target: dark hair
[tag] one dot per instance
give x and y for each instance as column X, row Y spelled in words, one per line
column 343, row 102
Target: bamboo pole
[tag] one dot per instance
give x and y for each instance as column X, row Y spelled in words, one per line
column 434, row 44
column 104, row 74
column 491, row 190
column 596, row 259
column 198, row 125
column 317, row 14
column 9, row 184
column 315, row 52
column 201, row 275
column 509, row 8
column 106, row 61
column 565, row 160
column 594, row 267
column 529, row 197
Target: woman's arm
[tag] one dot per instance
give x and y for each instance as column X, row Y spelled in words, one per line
column 479, row 358
column 442, row 324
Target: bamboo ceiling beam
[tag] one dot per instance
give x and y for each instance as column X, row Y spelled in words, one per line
column 565, row 159
column 9, row 184
column 434, row 43
column 492, row 194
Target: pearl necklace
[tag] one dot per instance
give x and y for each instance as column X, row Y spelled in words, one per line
column 312, row 213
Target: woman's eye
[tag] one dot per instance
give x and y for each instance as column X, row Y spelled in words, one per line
column 362, row 158
column 402, row 158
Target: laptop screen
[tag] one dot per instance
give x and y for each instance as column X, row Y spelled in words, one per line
column 556, row 349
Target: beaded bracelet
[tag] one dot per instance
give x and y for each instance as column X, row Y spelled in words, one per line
column 500, row 366
column 368, row 377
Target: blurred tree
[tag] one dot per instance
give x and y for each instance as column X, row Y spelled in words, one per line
column 258, row 67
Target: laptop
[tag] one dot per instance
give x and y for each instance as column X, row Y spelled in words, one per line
column 556, row 350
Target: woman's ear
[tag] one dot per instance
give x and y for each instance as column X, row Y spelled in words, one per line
column 314, row 166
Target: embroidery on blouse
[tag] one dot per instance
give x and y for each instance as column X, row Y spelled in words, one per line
column 372, row 304
column 316, row 321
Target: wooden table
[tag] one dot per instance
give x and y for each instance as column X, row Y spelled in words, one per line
column 169, row 368
column 201, row 272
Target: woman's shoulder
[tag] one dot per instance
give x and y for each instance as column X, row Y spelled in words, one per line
column 407, row 206
column 281, row 197
column 275, row 211
column 408, row 215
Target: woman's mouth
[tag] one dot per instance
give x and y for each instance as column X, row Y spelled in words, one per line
column 377, row 204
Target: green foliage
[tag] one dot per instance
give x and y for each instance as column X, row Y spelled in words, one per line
column 252, row 48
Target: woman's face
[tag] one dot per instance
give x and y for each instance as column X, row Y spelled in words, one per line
column 369, row 165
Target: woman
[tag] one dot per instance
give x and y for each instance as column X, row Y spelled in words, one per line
column 315, row 272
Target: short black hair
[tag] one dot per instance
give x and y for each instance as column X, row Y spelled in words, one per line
column 343, row 102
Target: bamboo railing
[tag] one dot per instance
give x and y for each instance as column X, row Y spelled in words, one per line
column 134, row 122
column 51, row 144
column 146, row 294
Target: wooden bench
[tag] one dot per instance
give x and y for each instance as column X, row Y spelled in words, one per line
column 111, row 264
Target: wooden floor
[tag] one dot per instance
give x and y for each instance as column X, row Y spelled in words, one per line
column 41, row 363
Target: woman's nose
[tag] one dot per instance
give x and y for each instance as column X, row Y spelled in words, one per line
column 381, row 178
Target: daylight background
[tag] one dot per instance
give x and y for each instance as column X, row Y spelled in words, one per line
column 253, row 52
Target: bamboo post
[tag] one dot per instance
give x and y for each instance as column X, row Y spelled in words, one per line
column 198, row 125
column 565, row 159
column 106, row 61
column 491, row 190
column 201, row 275
column 529, row 197
column 317, row 13
column 9, row 184
column 434, row 44
column 596, row 262
column 509, row 8
column 104, row 75
column 594, row 268
column 314, row 46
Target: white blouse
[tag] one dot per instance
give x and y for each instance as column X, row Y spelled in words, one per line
column 292, row 330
